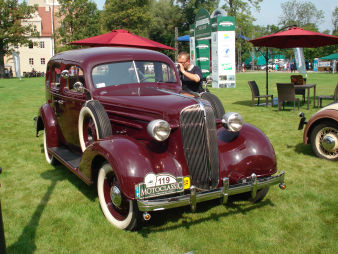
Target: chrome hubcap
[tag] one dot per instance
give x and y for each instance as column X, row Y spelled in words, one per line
column 115, row 195
column 329, row 142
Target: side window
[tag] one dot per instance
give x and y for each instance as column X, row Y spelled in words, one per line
column 55, row 76
column 164, row 73
column 168, row 74
column 75, row 75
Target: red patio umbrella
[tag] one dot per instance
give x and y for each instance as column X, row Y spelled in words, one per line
column 294, row 37
column 121, row 38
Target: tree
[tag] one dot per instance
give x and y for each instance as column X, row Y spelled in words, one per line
column 301, row 14
column 165, row 17
column 131, row 15
column 12, row 32
column 235, row 7
column 241, row 10
column 335, row 21
column 191, row 7
column 79, row 21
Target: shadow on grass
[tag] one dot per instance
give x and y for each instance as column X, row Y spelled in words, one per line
column 248, row 103
column 174, row 215
column 26, row 241
column 244, row 103
column 62, row 172
column 304, row 149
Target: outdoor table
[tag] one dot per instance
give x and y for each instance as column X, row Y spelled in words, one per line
column 308, row 87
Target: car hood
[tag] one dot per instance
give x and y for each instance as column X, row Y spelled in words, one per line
column 151, row 102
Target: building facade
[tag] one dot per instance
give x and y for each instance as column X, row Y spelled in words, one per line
column 34, row 57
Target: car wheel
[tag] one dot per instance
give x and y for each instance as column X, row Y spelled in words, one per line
column 118, row 210
column 260, row 195
column 215, row 102
column 49, row 158
column 324, row 140
column 93, row 124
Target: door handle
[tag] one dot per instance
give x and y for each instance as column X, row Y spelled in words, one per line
column 60, row 102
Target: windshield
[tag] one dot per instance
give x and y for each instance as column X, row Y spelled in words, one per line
column 113, row 74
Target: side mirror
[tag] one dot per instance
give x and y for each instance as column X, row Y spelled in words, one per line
column 208, row 79
column 65, row 74
column 78, row 86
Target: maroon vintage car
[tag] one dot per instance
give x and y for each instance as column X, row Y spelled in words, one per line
column 321, row 132
column 118, row 116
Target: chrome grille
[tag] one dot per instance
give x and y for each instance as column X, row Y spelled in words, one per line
column 198, row 128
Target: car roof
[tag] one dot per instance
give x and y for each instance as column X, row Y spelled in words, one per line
column 96, row 55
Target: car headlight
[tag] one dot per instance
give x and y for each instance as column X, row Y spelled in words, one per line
column 232, row 121
column 159, row 129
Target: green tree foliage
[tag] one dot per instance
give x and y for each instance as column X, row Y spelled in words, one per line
column 191, row 7
column 241, row 10
column 335, row 21
column 301, row 14
column 235, row 7
column 131, row 15
column 12, row 33
column 307, row 16
column 165, row 17
column 80, row 19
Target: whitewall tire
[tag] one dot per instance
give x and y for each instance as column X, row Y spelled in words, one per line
column 93, row 124
column 118, row 210
column 49, row 158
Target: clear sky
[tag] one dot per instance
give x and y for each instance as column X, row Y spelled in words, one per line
column 271, row 11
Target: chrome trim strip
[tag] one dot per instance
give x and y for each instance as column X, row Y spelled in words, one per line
column 193, row 198
column 135, row 68
column 225, row 190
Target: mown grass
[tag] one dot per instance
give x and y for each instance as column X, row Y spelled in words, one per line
column 47, row 209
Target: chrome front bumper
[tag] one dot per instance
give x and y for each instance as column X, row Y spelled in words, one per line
column 221, row 193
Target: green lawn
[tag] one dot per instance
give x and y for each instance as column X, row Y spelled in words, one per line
column 47, row 209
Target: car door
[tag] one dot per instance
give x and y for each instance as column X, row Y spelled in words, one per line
column 70, row 104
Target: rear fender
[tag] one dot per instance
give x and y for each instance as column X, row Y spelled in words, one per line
column 47, row 120
column 249, row 152
column 130, row 160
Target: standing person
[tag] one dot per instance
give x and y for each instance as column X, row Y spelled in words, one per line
column 191, row 75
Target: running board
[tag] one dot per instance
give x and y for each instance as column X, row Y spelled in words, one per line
column 64, row 154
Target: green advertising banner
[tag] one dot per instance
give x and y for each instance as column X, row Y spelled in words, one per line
column 203, row 56
column 202, row 24
column 226, row 24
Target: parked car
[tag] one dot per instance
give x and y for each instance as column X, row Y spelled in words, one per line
column 270, row 66
column 321, row 132
column 119, row 117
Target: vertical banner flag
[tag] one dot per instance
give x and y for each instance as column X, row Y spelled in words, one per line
column 315, row 64
column 299, row 55
column 16, row 64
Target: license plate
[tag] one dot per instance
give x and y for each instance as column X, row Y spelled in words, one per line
column 159, row 185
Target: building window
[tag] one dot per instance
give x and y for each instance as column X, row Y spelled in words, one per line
column 42, row 44
column 31, row 61
column 43, row 61
column 30, row 45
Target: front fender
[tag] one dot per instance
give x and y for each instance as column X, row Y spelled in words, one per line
column 250, row 152
column 47, row 120
column 131, row 161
